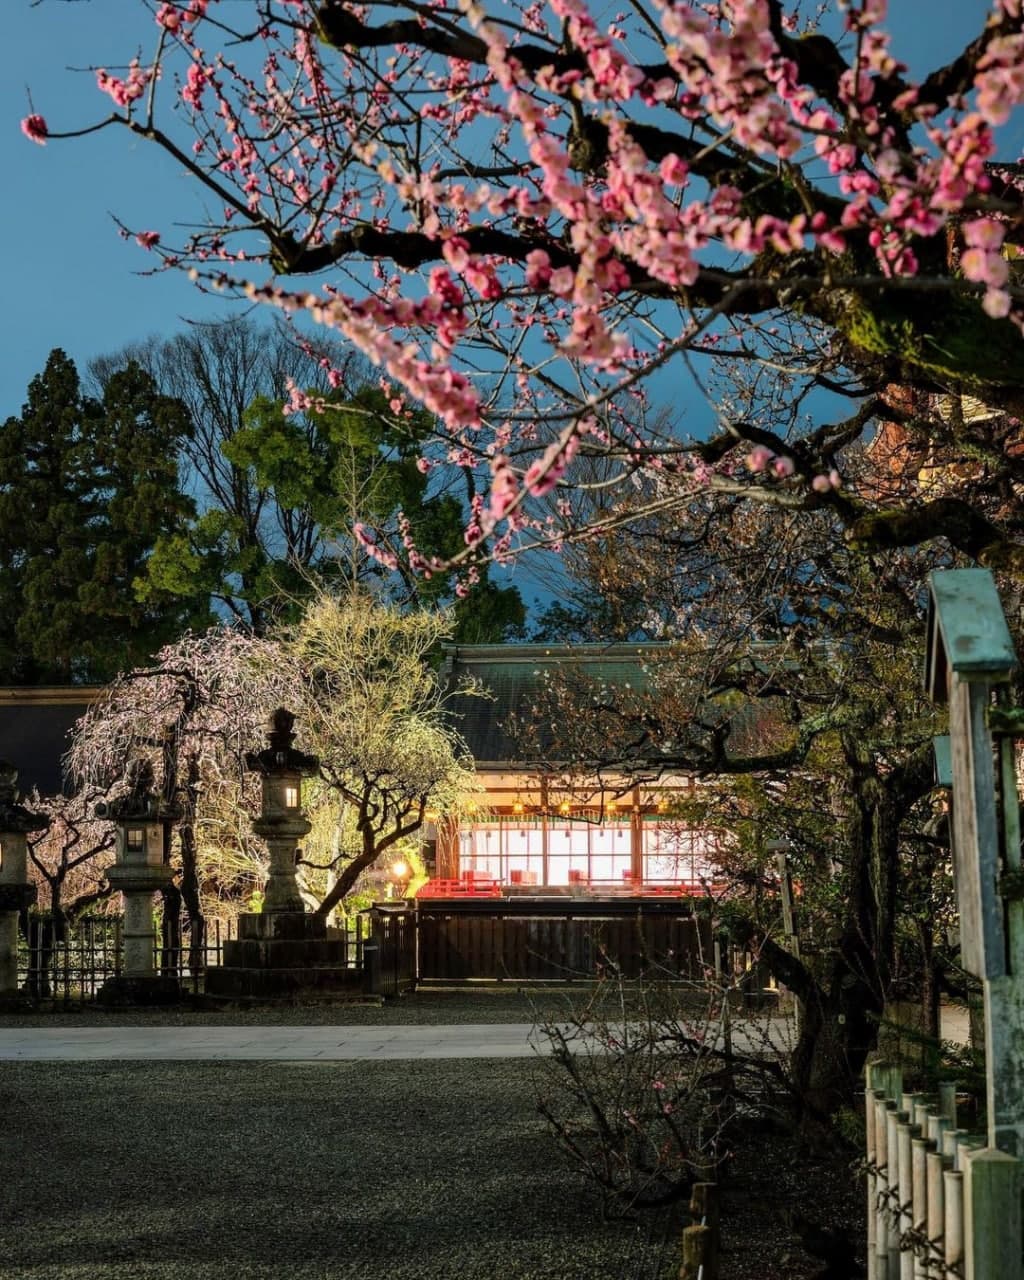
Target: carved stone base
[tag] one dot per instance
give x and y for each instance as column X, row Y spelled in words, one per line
column 283, row 954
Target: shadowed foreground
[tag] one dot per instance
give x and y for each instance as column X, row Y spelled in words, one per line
column 290, row 1171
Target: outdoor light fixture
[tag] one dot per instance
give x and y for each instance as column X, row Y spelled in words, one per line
column 400, row 870
column 281, row 768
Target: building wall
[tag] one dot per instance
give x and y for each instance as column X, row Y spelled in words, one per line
column 526, row 831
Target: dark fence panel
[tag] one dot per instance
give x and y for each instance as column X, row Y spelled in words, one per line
column 392, row 970
column 518, row 939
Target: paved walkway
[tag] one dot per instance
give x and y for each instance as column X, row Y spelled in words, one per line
column 326, row 1043
column 300, row 1044
column 294, row 1044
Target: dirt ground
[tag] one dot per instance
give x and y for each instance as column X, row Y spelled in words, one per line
column 789, row 1214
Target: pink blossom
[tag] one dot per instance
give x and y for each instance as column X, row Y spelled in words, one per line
column 504, row 488
column 148, row 239
column 996, row 303
column 986, row 268
column 169, row 16
column 984, row 233
column 34, row 128
column 759, row 457
column 783, row 468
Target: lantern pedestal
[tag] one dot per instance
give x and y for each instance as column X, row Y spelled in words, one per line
column 16, row 893
column 140, row 983
column 284, row 955
column 282, row 835
column 14, row 898
column 143, row 825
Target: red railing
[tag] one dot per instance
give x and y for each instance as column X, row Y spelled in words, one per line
column 474, row 885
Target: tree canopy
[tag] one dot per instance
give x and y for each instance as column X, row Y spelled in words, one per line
column 88, row 487
column 277, row 494
column 523, row 216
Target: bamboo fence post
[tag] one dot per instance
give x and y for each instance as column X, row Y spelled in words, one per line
column 700, row 1239
column 919, row 1203
column 904, row 1138
column 872, row 1162
column 893, row 1119
column 947, row 1101
column 881, row 1206
column 936, row 1209
column 953, row 1227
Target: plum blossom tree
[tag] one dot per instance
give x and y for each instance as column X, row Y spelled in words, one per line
column 356, row 674
column 193, row 714
column 789, row 685
column 526, row 215
column 67, row 861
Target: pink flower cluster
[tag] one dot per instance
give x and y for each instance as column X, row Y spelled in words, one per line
column 177, row 17
column 34, row 128
column 761, row 458
column 125, row 92
column 982, row 261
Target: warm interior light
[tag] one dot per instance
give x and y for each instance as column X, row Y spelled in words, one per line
column 517, row 807
column 291, row 797
column 135, row 840
column 564, row 807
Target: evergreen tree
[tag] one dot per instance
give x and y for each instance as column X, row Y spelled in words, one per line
column 87, row 486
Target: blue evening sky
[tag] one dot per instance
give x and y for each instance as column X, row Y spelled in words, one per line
column 68, row 279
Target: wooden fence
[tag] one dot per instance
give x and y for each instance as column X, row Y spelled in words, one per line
column 441, row 941
column 559, row 939
column 72, row 964
column 940, row 1203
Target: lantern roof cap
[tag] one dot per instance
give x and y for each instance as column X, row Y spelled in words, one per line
column 140, row 801
column 280, row 754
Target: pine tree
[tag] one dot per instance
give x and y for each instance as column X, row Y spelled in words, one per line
column 86, row 488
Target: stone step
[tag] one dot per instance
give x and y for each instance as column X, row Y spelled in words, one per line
column 240, row 982
column 286, row 953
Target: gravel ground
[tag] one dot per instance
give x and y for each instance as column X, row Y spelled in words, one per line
column 383, row 1171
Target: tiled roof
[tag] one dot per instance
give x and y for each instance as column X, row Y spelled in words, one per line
column 514, row 676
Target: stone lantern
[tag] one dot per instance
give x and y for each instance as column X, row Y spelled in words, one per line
column 15, row 891
column 281, row 822
column 142, row 823
column 282, row 951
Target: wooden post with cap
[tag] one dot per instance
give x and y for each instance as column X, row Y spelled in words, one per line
column 970, row 663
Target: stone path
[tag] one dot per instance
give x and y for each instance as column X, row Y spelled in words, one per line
column 323, row 1043
column 301, row 1044
column 296, row 1044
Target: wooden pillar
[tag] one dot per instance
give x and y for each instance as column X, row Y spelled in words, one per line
column 992, row 1215
column 636, row 838
column 447, row 855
